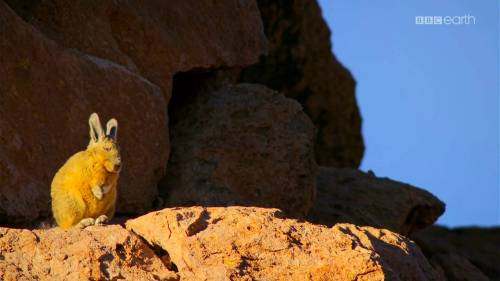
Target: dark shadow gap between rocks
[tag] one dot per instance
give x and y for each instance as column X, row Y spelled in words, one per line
column 235, row 135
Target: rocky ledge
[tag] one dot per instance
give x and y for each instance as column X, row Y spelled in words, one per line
column 218, row 243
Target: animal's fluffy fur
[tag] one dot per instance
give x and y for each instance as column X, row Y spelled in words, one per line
column 84, row 189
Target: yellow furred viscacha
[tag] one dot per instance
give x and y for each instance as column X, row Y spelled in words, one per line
column 84, row 190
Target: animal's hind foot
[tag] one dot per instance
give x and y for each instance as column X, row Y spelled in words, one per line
column 85, row 223
column 101, row 220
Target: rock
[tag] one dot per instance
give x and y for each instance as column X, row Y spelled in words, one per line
column 348, row 195
column 238, row 243
column 301, row 65
column 456, row 268
column 96, row 253
column 452, row 249
column 242, row 145
column 155, row 38
column 46, row 96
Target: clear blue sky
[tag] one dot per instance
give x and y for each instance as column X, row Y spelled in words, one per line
column 429, row 97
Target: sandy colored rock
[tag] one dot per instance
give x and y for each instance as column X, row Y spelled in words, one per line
column 352, row 196
column 242, row 145
column 46, row 96
column 238, row 243
column 155, row 38
column 452, row 249
column 301, row 65
column 96, row 253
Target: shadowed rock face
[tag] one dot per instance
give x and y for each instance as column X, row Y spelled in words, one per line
column 242, row 145
column 47, row 93
column 457, row 267
column 468, row 249
column 96, row 253
column 155, row 38
column 300, row 64
column 68, row 59
column 254, row 243
column 347, row 195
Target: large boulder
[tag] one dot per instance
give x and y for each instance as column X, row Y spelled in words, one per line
column 47, row 93
column 96, row 253
column 242, row 145
column 301, row 65
column 466, row 249
column 156, row 38
column 348, row 195
column 238, row 243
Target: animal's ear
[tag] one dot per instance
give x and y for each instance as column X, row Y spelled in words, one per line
column 112, row 129
column 96, row 132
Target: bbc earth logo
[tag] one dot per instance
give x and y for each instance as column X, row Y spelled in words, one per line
column 445, row 20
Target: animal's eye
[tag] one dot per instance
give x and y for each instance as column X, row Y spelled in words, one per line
column 107, row 148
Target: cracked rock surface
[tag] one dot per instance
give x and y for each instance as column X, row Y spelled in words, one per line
column 96, row 253
column 239, row 243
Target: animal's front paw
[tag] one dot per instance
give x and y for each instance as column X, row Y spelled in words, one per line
column 85, row 222
column 97, row 191
column 101, row 220
column 100, row 191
